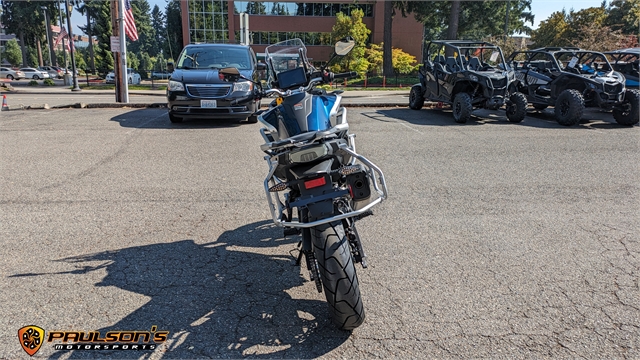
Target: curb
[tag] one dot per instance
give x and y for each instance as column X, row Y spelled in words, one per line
column 164, row 105
column 157, row 105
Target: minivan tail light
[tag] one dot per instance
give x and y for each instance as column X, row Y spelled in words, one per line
column 310, row 184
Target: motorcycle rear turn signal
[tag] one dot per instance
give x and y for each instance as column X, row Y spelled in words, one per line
column 278, row 187
column 349, row 169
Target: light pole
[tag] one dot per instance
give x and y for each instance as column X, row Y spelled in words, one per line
column 48, row 24
column 72, row 46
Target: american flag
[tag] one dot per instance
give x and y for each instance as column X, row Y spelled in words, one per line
column 129, row 22
column 61, row 35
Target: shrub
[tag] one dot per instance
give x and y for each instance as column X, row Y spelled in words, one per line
column 48, row 82
column 33, row 83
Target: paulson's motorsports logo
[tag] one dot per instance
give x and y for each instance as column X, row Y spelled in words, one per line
column 31, row 338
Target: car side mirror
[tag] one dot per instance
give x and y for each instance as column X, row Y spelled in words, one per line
column 229, row 74
column 170, row 67
column 261, row 66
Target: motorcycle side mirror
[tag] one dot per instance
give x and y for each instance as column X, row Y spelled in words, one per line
column 343, row 46
column 229, row 74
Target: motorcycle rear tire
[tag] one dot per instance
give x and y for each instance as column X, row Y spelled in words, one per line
column 337, row 271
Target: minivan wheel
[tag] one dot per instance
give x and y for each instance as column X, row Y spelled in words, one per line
column 174, row 119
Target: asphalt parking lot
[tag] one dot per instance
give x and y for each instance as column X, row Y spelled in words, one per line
column 498, row 240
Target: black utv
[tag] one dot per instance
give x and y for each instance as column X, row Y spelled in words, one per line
column 570, row 79
column 627, row 61
column 467, row 75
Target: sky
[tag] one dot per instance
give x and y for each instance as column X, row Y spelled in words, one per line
column 542, row 9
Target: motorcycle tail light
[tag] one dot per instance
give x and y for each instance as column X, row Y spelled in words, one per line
column 310, row 184
column 278, row 187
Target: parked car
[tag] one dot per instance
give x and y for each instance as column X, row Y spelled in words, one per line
column 160, row 74
column 626, row 61
column 8, row 73
column 132, row 76
column 195, row 89
column 467, row 75
column 570, row 79
column 54, row 73
column 31, row 73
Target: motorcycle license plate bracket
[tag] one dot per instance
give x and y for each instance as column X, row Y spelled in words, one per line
column 303, row 201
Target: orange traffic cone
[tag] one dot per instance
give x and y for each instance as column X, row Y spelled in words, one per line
column 4, row 103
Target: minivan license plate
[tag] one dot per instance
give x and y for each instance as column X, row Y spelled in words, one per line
column 208, row 104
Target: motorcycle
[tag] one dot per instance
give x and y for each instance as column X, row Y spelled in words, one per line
column 314, row 169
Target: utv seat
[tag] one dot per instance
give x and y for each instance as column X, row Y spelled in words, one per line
column 474, row 63
column 451, row 64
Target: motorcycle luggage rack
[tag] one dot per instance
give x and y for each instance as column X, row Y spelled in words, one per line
column 378, row 183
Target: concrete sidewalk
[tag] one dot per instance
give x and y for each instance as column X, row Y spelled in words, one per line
column 39, row 97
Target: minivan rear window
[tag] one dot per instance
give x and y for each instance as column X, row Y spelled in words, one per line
column 218, row 57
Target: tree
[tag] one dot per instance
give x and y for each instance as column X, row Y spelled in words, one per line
column 146, row 33
column 596, row 28
column 158, row 22
column 104, row 57
column 373, row 54
column 439, row 17
column 145, row 65
column 553, row 31
column 624, row 15
column 403, row 63
column 90, row 8
column 173, row 45
column 387, row 56
column 354, row 27
column 12, row 52
column 26, row 19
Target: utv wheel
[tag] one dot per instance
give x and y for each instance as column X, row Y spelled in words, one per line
column 517, row 110
column 540, row 107
column 462, row 108
column 569, row 107
column 416, row 100
column 628, row 114
column 338, row 274
column 174, row 119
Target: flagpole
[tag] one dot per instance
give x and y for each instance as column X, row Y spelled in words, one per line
column 123, row 53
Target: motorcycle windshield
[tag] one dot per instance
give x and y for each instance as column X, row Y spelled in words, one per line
column 286, row 56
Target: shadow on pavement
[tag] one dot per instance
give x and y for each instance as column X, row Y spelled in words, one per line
column 592, row 118
column 157, row 118
column 221, row 299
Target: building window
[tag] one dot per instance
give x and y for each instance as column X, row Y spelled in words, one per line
column 272, row 37
column 299, row 9
column 208, row 21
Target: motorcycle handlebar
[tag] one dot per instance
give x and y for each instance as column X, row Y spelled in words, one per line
column 347, row 75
